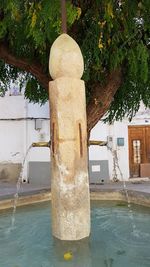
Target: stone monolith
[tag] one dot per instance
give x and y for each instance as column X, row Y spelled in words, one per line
column 69, row 183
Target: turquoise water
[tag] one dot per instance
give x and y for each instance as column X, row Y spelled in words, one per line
column 114, row 242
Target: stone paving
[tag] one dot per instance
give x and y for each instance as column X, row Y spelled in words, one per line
column 7, row 191
column 138, row 186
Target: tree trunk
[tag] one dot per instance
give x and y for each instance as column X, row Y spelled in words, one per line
column 102, row 98
column 34, row 68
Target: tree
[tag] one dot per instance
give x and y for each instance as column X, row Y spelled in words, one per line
column 114, row 36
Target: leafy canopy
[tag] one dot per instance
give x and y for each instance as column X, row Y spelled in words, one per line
column 110, row 33
column 29, row 29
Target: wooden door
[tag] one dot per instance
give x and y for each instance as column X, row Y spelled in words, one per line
column 147, row 143
column 139, row 148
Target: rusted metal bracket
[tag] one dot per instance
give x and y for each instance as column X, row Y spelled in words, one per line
column 97, row 143
column 41, row 144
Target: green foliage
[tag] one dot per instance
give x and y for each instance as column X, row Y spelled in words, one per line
column 110, row 33
column 30, row 27
column 119, row 35
column 135, row 87
column 35, row 92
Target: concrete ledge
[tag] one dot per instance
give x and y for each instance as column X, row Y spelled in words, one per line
column 32, row 198
column 27, row 198
column 135, row 197
column 114, row 196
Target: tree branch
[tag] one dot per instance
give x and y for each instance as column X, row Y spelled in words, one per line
column 99, row 102
column 34, row 68
column 102, row 98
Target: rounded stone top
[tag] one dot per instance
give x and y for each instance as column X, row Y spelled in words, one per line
column 65, row 58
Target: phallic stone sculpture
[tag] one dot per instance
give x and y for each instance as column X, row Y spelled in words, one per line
column 69, row 185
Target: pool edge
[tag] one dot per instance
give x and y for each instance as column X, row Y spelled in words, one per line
column 135, row 197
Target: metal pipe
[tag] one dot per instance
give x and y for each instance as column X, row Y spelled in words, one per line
column 96, row 143
column 90, row 143
column 41, row 144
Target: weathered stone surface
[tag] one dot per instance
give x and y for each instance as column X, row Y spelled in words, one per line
column 70, row 186
column 65, row 58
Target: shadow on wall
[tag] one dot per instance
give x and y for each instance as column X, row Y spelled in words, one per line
column 9, row 172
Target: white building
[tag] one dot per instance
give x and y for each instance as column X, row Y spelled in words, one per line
column 23, row 123
column 129, row 143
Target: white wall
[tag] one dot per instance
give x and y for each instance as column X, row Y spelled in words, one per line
column 38, row 154
column 12, row 107
column 119, row 130
column 11, row 141
column 37, row 111
column 12, row 132
column 17, row 130
column 99, row 133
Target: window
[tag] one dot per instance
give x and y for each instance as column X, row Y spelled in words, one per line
column 136, row 151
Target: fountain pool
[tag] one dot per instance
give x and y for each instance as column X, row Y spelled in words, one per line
column 112, row 242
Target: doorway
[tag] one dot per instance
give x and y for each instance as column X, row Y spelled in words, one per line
column 139, row 151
